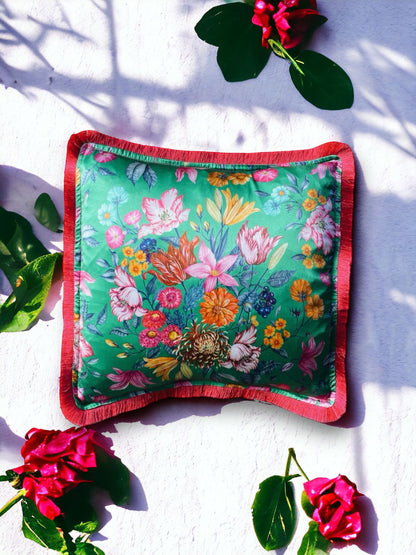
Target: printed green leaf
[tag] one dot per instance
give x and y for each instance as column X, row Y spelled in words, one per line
column 38, row 528
column 240, row 53
column 274, row 512
column 46, row 213
column 323, row 83
column 313, row 542
column 18, row 244
column 26, row 301
column 307, row 505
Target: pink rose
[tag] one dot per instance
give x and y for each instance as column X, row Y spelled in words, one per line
column 54, row 463
column 335, row 510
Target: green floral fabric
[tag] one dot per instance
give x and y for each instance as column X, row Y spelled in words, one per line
column 204, row 274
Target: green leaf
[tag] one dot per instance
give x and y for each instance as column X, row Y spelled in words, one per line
column 26, row 301
column 274, row 512
column 240, row 53
column 86, row 548
column 323, row 83
column 46, row 212
column 38, row 528
column 112, row 475
column 78, row 513
column 18, row 244
column 313, row 542
column 307, row 505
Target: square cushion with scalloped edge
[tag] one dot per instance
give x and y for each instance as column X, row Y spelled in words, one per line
column 190, row 274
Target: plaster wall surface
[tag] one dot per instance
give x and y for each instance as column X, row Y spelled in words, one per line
column 137, row 70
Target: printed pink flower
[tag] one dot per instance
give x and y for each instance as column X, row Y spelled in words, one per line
column 87, row 148
column 80, row 279
column 149, row 338
column 210, row 270
column 321, row 228
column 170, row 335
column 154, row 319
column 104, row 157
column 255, row 244
column 82, row 348
column 125, row 300
column 124, row 378
column 190, row 172
column 335, row 510
column 114, row 236
column 331, row 166
column 170, row 297
column 164, row 214
column 243, row 355
column 325, row 278
column 307, row 362
column 265, row 175
column 133, row 217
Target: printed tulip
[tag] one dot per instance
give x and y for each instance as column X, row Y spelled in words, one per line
column 255, row 244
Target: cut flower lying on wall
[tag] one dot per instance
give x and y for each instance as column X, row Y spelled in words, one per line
column 55, row 484
column 247, row 32
column 330, row 503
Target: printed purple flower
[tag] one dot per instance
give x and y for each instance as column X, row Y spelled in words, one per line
column 124, row 378
column 125, row 300
column 212, row 270
column 243, row 355
column 164, row 214
column 307, row 362
column 103, row 157
column 321, row 228
column 190, row 172
column 80, row 279
column 255, row 244
column 114, row 236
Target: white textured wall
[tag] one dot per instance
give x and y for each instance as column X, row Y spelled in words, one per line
column 136, row 70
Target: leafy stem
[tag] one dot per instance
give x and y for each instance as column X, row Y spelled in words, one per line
column 292, row 456
column 21, row 493
column 280, row 50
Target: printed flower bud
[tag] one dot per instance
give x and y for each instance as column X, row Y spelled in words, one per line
column 186, row 371
column 128, row 346
column 206, row 226
column 213, row 210
column 218, row 198
column 111, row 343
column 194, row 226
column 199, row 209
column 122, row 355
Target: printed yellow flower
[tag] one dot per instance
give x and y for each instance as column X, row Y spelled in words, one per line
column 307, row 262
column 276, row 341
column 269, row 331
column 300, row 290
column 306, row 250
column 254, row 321
column 140, row 256
column 312, row 193
column 286, row 334
column 309, row 204
column 235, row 211
column 218, row 179
column 239, row 178
column 322, row 199
column 280, row 323
column 318, row 260
column 135, row 268
column 124, row 262
column 161, row 366
column 315, row 307
column 127, row 251
column 266, row 341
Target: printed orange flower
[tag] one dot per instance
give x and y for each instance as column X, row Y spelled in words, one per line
column 128, row 251
column 218, row 179
column 309, row 204
column 140, row 256
column 306, row 250
column 239, row 178
column 318, row 260
column 315, row 307
column 286, row 334
column 300, row 290
column 172, row 264
column 280, row 323
column 218, row 307
column 322, row 199
column 276, row 341
column 135, row 268
column 307, row 262
column 312, row 193
column 235, row 210
column 269, row 331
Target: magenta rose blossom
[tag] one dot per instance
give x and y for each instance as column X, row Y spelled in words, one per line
column 54, row 463
column 335, row 510
column 290, row 21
